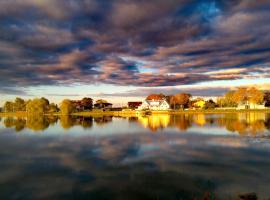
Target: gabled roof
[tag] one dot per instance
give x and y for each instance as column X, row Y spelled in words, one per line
column 159, row 101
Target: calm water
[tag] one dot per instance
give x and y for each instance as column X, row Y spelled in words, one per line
column 221, row 156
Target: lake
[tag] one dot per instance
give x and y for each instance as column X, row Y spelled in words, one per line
column 187, row 156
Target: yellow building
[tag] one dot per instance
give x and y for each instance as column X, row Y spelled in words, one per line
column 200, row 104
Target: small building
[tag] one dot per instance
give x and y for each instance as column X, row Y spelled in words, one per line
column 78, row 106
column 248, row 105
column 200, row 103
column 134, row 104
column 82, row 105
column 161, row 104
column 102, row 105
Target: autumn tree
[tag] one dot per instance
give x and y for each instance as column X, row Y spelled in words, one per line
column 255, row 96
column 37, row 106
column 210, row 104
column 267, row 98
column 87, row 103
column 9, row 106
column 52, row 108
column 156, row 97
column 19, row 104
column 67, row 107
column 182, row 99
column 229, row 99
column 248, row 95
column 241, row 95
column 100, row 101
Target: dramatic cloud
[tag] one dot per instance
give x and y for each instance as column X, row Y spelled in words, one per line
column 132, row 42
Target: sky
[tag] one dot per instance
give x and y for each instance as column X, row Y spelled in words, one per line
column 123, row 50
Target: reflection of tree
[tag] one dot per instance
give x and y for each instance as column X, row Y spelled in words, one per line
column 103, row 120
column 267, row 122
column 182, row 122
column 52, row 119
column 67, row 121
column 87, row 122
column 18, row 123
column 9, row 122
column 244, row 123
column 37, row 122
column 132, row 119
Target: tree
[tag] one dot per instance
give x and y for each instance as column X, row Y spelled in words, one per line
column 210, row 104
column 241, row 95
column 255, row 96
column 37, row 106
column 221, row 102
column 9, row 107
column 172, row 101
column 267, row 98
column 67, row 107
column 156, row 97
column 45, row 102
column 87, row 103
column 52, row 108
column 229, row 99
column 100, row 101
column 19, row 104
column 181, row 100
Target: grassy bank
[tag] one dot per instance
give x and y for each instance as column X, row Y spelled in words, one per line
column 97, row 113
column 221, row 111
column 174, row 112
column 13, row 114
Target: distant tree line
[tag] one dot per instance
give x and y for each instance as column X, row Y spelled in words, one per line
column 37, row 106
column 177, row 101
column 183, row 100
column 244, row 95
column 42, row 105
column 232, row 98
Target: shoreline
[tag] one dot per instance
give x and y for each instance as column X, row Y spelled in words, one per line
column 134, row 112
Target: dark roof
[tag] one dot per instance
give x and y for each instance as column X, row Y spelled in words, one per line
column 103, row 104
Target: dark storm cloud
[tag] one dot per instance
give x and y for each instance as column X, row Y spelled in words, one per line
column 132, row 42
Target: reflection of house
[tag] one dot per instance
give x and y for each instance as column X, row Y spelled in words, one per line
column 102, row 105
column 155, row 122
column 199, row 119
column 103, row 120
column 161, row 104
column 78, row 106
column 134, row 104
column 249, row 105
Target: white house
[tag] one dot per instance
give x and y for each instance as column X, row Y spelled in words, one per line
column 247, row 105
column 154, row 105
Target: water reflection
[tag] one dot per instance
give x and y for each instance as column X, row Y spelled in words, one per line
column 132, row 167
column 135, row 166
column 241, row 123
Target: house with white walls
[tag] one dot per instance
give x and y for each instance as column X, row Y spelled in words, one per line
column 250, row 105
column 161, row 104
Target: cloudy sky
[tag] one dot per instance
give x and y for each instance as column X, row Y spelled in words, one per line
column 125, row 49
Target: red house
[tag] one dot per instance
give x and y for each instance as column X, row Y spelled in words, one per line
column 134, row 104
